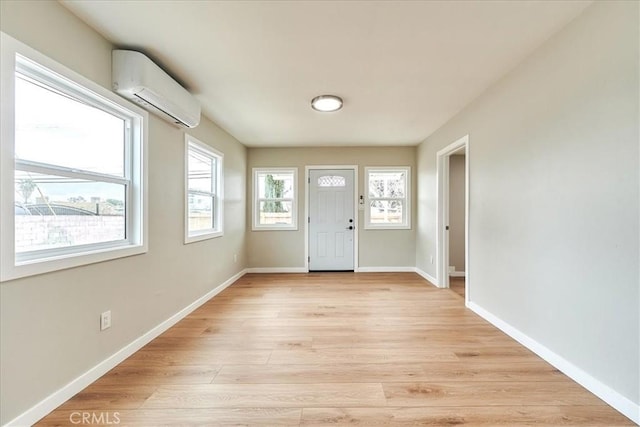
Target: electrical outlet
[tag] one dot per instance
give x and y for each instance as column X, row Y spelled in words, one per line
column 235, row 257
column 105, row 320
column 431, row 259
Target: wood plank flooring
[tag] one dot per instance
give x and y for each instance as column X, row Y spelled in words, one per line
column 335, row 349
column 457, row 285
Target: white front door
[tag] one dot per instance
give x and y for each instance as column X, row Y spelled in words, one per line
column 331, row 220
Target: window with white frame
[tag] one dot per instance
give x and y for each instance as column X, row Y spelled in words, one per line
column 388, row 197
column 203, row 182
column 275, row 199
column 72, row 168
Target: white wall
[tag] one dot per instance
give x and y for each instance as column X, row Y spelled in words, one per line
column 49, row 323
column 554, row 196
column 377, row 248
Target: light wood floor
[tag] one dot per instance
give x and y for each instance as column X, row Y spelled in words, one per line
column 336, row 349
column 457, row 285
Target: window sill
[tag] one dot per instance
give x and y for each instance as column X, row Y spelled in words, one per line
column 268, row 228
column 204, row 236
column 387, row 227
column 63, row 262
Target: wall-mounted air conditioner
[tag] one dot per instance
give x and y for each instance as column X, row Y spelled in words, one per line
column 139, row 79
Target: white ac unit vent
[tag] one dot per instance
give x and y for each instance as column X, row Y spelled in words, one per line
column 139, row 79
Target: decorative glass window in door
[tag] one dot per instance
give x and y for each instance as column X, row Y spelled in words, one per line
column 331, row 181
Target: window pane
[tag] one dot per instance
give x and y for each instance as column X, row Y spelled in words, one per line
column 200, row 213
column 55, row 129
column 54, row 211
column 275, row 185
column 275, row 212
column 200, row 172
column 386, row 212
column 331, row 181
column 387, row 184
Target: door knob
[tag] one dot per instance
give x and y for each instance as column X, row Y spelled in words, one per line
column 350, row 227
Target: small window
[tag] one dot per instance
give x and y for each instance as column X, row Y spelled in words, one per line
column 203, row 182
column 388, row 198
column 74, row 155
column 331, row 181
column 275, row 199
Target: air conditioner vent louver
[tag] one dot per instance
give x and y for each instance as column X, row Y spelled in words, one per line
column 137, row 78
column 145, row 102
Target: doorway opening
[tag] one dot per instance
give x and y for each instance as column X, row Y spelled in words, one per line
column 331, row 238
column 452, row 250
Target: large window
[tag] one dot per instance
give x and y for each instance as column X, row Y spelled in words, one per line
column 275, row 202
column 71, row 168
column 203, row 205
column 388, row 203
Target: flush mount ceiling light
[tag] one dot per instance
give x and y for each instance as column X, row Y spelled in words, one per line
column 326, row 103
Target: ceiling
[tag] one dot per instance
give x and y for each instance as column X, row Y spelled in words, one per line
column 404, row 68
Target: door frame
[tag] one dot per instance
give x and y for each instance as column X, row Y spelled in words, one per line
column 356, row 212
column 442, row 213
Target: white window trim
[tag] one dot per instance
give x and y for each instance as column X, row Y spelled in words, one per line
column 294, row 201
column 218, row 207
column 136, row 241
column 406, row 223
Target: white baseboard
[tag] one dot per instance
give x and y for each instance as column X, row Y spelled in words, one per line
column 457, row 274
column 429, row 278
column 304, row 270
column 44, row 407
column 277, row 270
column 385, row 269
column 623, row 405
